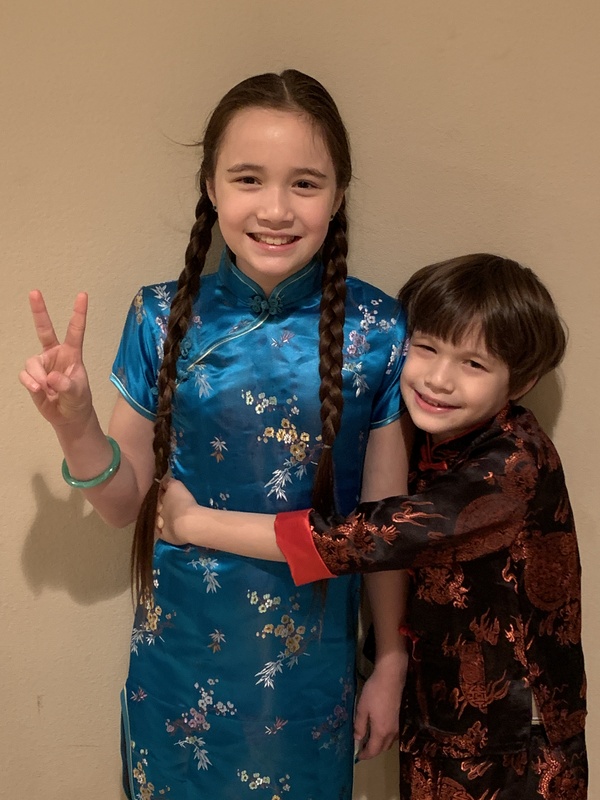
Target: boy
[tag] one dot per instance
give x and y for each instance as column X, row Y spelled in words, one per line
column 494, row 704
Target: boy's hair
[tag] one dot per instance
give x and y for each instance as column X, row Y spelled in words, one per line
column 517, row 317
column 301, row 94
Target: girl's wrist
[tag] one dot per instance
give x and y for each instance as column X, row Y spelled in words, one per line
column 86, row 449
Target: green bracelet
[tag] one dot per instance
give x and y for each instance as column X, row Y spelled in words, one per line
column 104, row 476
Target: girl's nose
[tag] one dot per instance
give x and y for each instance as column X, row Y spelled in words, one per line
column 274, row 207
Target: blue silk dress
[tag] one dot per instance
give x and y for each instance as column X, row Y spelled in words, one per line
column 241, row 685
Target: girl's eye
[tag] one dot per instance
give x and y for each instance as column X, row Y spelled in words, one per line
column 476, row 365
column 305, row 185
column 247, row 179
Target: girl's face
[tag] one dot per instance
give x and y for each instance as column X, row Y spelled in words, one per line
column 275, row 192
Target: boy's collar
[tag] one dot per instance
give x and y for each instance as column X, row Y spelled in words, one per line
column 436, row 456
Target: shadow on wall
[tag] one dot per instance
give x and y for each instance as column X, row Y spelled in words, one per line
column 545, row 400
column 70, row 549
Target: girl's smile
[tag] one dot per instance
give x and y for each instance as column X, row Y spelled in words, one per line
column 275, row 192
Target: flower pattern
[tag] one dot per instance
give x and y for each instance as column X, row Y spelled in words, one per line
column 150, row 623
column 214, row 647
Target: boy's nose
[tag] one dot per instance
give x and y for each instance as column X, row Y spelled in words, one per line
column 439, row 377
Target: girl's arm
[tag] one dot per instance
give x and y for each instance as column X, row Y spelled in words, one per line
column 377, row 714
column 58, row 384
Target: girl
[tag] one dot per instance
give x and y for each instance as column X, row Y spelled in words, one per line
column 494, row 705
column 238, row 680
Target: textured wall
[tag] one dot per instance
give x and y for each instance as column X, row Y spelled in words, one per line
column 475, row 125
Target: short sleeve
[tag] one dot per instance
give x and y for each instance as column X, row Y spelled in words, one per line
column 136, row 365
column 387, row 404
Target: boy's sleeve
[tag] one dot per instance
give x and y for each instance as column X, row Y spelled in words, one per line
column 136, row 364
column 295, row 538
column 478, row 509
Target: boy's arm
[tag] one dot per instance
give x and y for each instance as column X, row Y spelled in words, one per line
column 477, row 508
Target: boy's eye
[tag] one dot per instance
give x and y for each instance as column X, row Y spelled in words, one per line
column 427, row 347
column 475, row 364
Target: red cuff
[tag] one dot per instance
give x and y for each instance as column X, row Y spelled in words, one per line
column 295, row 540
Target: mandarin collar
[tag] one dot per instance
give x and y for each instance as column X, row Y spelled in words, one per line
column 439, row 456
column 287, row 294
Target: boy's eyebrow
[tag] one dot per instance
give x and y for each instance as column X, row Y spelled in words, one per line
column 247, row 167
column 479, row 355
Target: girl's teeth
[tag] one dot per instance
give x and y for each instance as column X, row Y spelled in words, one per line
column 274, row 239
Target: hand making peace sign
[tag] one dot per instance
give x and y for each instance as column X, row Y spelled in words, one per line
column 57, row 379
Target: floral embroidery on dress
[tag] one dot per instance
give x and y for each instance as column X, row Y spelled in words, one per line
column 277, row 726
column 299, row 450
column 395, row 354
column 147, row 789
column 331, row 732
column 149, row 623
column 223, row 497
column 198, row 719
column 217, row 638
column 218, row 445
column 209, row 572
column 201, row 381
column 293, row 638
column 255, row 781
column 285, row 337
column 138, row 304
column 163, row 296
column 359, row 345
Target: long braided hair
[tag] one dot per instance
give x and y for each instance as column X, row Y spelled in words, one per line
column 289, row 91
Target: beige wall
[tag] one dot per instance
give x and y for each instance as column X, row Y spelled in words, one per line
column 475, row 125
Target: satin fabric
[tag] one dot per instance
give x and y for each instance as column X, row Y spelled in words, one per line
column 240, row 683
column 494, row 608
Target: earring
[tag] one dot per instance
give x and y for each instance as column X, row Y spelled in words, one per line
column 214, row 208
column 331, row 217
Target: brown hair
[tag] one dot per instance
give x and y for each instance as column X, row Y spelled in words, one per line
column 518, row 319
column 289, row 91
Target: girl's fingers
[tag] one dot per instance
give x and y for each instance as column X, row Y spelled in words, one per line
column 36, row 370
column 29, row 382
column 41, row 320
column 76, row 327
column 58, row 383
column 45, row 329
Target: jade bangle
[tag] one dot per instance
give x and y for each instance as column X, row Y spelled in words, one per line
column 104, row 476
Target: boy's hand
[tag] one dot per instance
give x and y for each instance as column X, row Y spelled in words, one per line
column 377, row 719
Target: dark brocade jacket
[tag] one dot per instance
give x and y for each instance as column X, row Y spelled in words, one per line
column 494, row 611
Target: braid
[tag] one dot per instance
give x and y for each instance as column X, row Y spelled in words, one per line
column 180, row 313
column 331, row 340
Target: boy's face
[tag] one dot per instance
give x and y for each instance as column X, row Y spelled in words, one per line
column 449, row 389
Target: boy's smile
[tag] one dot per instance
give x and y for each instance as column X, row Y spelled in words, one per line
column 449, row 389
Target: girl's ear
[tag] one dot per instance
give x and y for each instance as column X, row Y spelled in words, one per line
column 337, row 202
column 210, row 188
column 524, row 389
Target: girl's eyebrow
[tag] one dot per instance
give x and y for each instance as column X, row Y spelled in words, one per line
column 247, row 167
